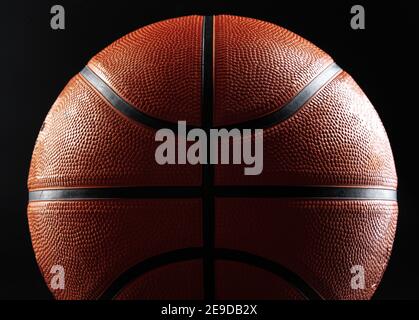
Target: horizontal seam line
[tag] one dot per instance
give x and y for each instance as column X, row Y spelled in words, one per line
column 305, row 192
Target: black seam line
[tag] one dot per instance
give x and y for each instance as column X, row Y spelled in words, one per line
column 188, row 254
column 147, row 265
column 269, row 120
column 115, row 193
column 124, row 107
column 208, row 202
column 294, row 104
column 305, row 192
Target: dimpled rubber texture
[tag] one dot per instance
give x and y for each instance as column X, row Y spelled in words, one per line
column 336, row 139
column 185, row 279
column 240, row 281
column 157, row 69
column 85, row 142
column 259, row 67
column 318, row 239
column 97, row 240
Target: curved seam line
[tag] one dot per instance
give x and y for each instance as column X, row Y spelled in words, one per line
column 128, row 276
column 281, row 114
column 123, row 106
column 108, row 104
column 288, row 110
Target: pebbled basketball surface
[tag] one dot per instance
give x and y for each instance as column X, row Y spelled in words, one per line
column 124, row 227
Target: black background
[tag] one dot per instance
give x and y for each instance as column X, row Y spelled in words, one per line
column 36, row 62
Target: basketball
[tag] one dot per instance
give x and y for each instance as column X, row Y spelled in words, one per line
column 316, row 222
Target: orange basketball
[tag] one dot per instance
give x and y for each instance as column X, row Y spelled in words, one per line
column 322, row 213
